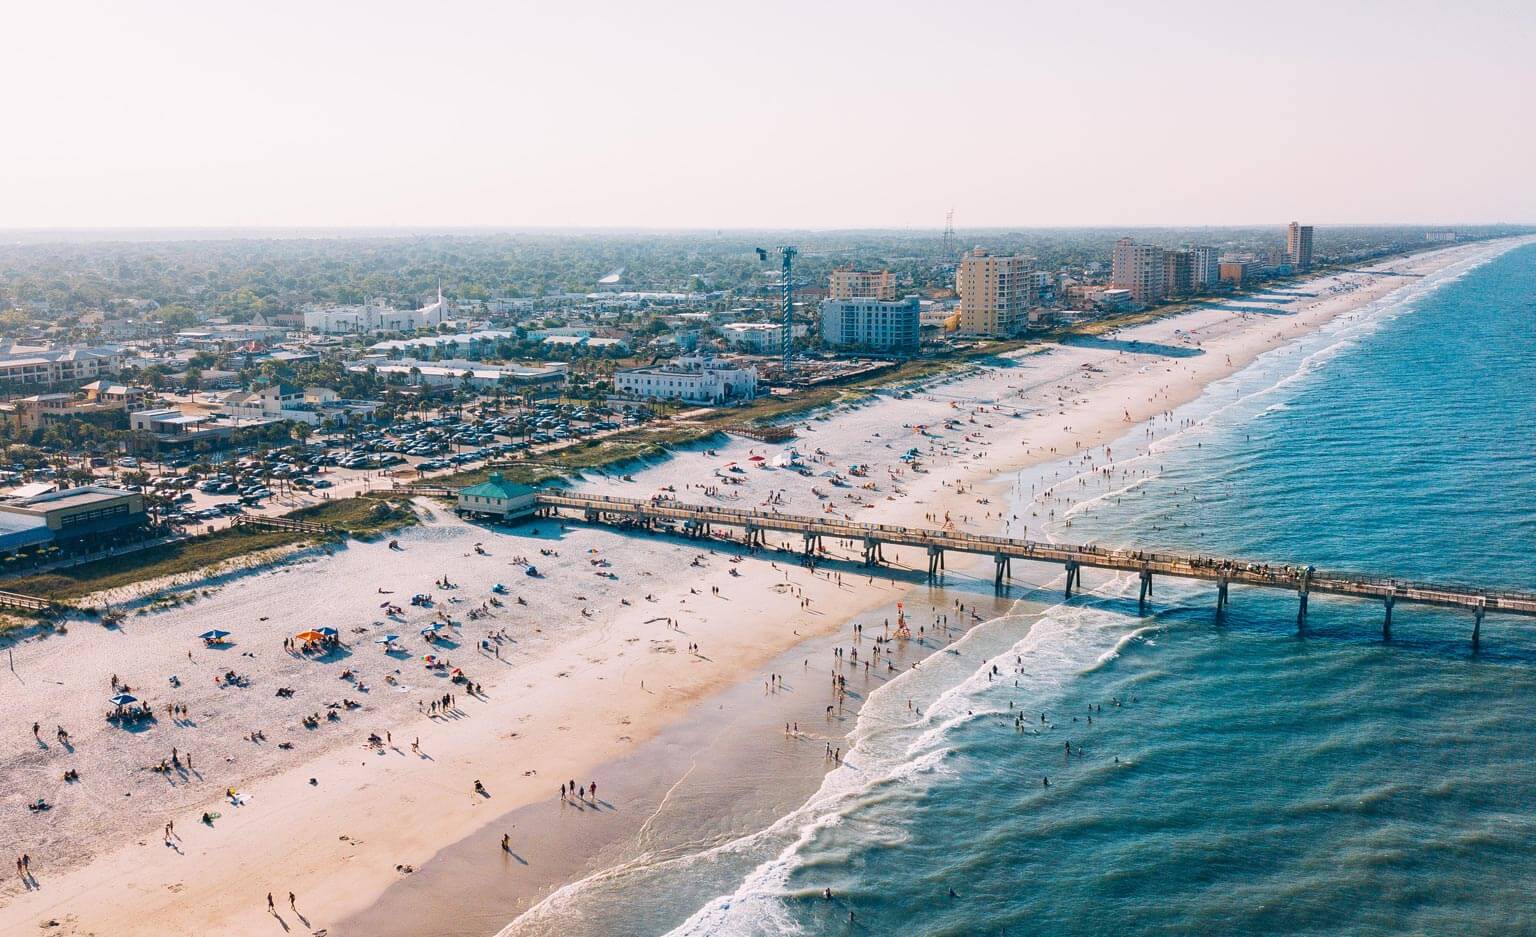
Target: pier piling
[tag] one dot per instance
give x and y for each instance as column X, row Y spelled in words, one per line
column 1146, row 591
column 1386, row 622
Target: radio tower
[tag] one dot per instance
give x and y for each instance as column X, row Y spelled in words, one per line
column 949, row 235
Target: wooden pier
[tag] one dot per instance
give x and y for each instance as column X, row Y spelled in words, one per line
column 699, row 520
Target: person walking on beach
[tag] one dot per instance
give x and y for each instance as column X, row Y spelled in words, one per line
column 271, row 907
column 292, row 902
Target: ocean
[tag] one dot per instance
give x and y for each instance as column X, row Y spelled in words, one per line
column 1073, row 767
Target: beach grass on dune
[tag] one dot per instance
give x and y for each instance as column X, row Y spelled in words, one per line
column 358, row 517
column 168, row 559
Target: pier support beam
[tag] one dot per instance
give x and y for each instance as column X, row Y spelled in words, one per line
column 1221, row 598
column 1004, row 570
column 871, row 552
column 1386, row 622
column 1301, row 609
column 1146, row 592
column 935, row 561
column 810, row 544
column 1477, row 628
column 1074, row 575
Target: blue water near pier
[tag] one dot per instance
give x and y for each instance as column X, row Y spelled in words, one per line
column 1236, row 777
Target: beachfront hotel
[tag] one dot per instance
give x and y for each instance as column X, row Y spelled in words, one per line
column 996, row 293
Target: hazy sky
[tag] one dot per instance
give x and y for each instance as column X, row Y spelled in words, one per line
column 732, row 114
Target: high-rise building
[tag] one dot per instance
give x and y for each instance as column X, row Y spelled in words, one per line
column 1205, row 267
column 1298, row 246
column 1178, row 273
column 1138, row 268
column 996, row 293
column 848, row 283
column 870, row 323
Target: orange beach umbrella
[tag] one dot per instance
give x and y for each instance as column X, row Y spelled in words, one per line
column 310, row 635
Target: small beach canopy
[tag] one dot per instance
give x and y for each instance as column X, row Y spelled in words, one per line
column 387, row 639
column 329, row 632
column 310, row 635
column 756, row 458
column 123, row 699
column 214, row 635
column 432, row 628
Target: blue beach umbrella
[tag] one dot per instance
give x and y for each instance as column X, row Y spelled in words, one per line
column 387, row 639
column 328, row 632
column 123, row 699
column 214, row 635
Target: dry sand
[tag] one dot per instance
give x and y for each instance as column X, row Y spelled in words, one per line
column 336, row 822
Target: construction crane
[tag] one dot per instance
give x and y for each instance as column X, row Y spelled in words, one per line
column 787, row 287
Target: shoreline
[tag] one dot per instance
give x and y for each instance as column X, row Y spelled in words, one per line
column 1091, row 410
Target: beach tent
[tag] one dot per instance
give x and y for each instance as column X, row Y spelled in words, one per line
column 387, row 639
column 329, row 632
column 214, row 635
column 123, row 699
column 310, row 635
column 433, row 628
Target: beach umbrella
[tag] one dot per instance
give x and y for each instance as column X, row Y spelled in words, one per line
column 757, row 458
column 214, row 635
column 432, row 628
column 310, row 635
column 328, row 632
column 123, row 699
column 387, row 639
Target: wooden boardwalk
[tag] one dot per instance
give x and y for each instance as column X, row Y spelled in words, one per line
column 265, row 522
column 30, row 603
column 1305, row 581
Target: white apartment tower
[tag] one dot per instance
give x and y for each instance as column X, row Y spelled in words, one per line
column 1206, row 271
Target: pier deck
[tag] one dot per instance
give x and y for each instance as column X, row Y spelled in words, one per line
column 1224, row 571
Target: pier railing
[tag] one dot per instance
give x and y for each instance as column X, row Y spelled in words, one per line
column 1224, row 571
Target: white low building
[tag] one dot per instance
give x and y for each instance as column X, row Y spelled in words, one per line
column 692, row 379
column 481, row 376
column 312, row 405
column 374, row 317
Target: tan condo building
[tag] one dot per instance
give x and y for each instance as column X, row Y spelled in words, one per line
column 1138, row 268
column 996, row 293
column 848, row 283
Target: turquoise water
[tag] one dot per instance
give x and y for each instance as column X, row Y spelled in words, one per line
column 1237, row 777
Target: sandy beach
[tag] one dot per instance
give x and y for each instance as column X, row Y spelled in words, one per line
column 619, row 663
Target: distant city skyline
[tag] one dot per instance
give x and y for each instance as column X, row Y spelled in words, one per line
column 694, row 115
